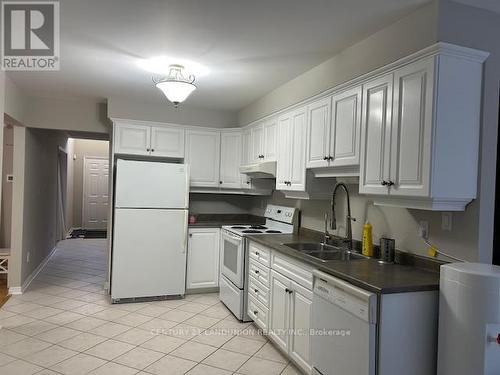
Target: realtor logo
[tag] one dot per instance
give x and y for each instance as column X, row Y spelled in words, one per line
column 30, row 35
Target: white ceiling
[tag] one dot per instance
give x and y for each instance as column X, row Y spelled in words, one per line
column 250, row 46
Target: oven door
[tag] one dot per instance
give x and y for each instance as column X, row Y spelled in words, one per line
column 233, row 258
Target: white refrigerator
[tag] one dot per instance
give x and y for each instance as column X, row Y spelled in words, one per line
column 150, row 229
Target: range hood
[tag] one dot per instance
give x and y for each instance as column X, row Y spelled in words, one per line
column 265, row 169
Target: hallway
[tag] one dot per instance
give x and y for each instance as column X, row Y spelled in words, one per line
column 65, row 325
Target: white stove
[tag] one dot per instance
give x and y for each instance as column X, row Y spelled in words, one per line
column 233, row 280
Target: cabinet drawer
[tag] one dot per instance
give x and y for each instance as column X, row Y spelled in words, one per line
column 259, row 272
column 258, row 313
column 258, row 291
column 260, row 254
column 299, row 272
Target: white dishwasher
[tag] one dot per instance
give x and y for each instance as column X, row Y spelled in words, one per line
column 344, row 320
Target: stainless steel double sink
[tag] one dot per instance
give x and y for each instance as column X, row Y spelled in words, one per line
column 324, row 252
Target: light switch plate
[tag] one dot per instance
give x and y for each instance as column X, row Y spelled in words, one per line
column 423, row 229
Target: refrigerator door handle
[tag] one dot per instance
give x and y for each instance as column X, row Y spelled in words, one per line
column 186, row 230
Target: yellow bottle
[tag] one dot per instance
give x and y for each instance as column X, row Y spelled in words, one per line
column 367, row 240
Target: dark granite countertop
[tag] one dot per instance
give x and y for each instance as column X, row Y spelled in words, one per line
column 218, row 220
column 368, row 274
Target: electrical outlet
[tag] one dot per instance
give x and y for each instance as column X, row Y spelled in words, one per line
column 446, row 221
column 423, row 229
column 28, row 257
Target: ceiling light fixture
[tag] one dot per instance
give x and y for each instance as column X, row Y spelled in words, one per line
column 177, row 85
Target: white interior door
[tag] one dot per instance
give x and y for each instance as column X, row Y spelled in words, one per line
column 95, row 193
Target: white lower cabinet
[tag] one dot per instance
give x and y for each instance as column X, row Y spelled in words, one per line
column 203, row 258
column 280, row 302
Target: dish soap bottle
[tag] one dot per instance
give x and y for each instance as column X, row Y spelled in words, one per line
column 367, row 240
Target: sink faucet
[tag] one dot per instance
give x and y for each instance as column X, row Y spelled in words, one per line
column 349, row 218
column 326, row 235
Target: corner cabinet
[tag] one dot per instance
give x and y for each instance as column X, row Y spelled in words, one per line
column 136, row 138
column 420, row 132
column 203, row 258
column 291, row 169
column 203, row 157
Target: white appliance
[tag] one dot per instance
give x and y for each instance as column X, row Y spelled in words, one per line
column 234, row 265
column 150, row 230
column 345, row 320
column 265, row 169
column 469, row 319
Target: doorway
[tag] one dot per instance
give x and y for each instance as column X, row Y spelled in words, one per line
column 62, row 183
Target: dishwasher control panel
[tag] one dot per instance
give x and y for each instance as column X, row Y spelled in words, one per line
column 354, row 300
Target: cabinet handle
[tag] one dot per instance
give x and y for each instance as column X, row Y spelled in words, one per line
column 383, row 183
column 256, row 290
column 220, row 182
column 325, row 158
column 190, row 234
column 152, row 150
column 256, row 272
column 248, row 182
column 257, row 253
column 330, row 158
column 390, row 183
column 289, row 291
column 148, row 149
column 255, row 312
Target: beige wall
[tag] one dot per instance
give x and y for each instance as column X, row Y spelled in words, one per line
column 7, row 165
column 34, row 198
column 131, row 108
column 66, row 114
column 15, row 101
column 84, row 148
column 410, row 34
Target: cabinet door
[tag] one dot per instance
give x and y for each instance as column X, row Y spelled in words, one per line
column 346, row 128
column 203, row 258
column 230, row 162
column 167, row 142
column 257, row 143
column 203, row 155
column 300, row 324
column 279, row 311
column 376, row 135
column 298, row 158
column 412, row 129
column 283, row 164
column 270, row 140
column 246, row 146
column 318, row 133
column 132, row 139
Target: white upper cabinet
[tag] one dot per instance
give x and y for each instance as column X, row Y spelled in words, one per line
column 257, row 153
column 412, row 129
column 284, row 152
column 230, row 159
column 333, row 134
column 420, row 131
column 376, row 130
column 270, row 140
column 246, row 146
column 291, row 169
column 318, row 133
column 345, row 134
column 132, row 139
column 167, row 141
column 203, row 157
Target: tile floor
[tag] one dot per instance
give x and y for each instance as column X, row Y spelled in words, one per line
column 64, row 324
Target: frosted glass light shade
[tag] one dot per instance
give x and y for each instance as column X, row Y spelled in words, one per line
column 176, row 91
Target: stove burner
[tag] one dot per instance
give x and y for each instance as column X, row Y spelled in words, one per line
column 273, row 231
column 238, row 227
column 258, row 227
column 252, row 231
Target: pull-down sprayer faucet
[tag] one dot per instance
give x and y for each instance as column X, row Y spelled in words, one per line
column 349, row 218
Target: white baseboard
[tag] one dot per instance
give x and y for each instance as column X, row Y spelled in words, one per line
column 16, row 290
